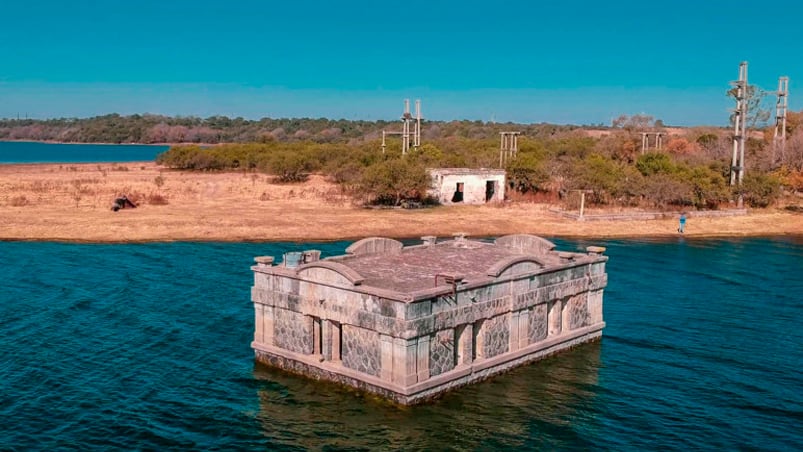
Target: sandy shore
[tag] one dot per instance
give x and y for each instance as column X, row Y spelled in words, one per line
column 71, row 202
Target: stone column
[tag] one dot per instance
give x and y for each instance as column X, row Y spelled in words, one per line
column 405, row 361
column 326, row 339
column 555, row 317
column 316, row 336
column 337, row 335
column 566, row 317
column 259, row 330
column 423, row 358
column 524, row 326
column 464, row 338
column 594, row 307
column 478, row 339
column 513, row 326
column 268, row 320
column 386, row 357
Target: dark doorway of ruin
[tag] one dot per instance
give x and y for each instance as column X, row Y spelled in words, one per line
column 490, row 189
column 458, row 193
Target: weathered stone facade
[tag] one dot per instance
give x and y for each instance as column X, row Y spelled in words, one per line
column 361, row 349
column 411, row 322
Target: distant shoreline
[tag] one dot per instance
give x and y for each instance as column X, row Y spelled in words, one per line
column 99, row 144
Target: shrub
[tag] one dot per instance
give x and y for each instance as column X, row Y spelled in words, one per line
column 392, row 181
column 760, row 190
column 655, row 163
column 709, row 189
column 19, row 201
column 290, row 166
column 663, row 190
column 526, row 172
column 157, row 199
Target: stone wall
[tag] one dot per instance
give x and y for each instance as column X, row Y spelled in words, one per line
column 496, row 336
column 361, row 350
column 537, row 328
column 577, row 311
column 441, row 352
column 293, row 331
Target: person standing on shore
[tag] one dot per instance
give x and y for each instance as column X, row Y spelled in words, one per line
column 682, row 222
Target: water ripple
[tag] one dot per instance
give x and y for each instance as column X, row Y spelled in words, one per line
column 147, row 347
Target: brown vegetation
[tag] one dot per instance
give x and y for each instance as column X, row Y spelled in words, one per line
column 72, row 203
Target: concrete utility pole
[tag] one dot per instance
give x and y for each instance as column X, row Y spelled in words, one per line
column 508, row 146
column 739, row 128
column 407, row 121
column 779, row 135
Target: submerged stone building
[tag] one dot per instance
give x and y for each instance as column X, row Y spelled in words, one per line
column 411, row 322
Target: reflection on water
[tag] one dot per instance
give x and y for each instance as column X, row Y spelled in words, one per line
column 534, row 405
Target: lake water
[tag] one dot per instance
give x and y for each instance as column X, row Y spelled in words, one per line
column 146, row 346
column 32, row 152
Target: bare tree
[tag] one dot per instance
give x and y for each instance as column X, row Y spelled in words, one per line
column 758, row 112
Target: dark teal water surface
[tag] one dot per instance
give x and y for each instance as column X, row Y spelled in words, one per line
column 146, row 346
column 32, row 152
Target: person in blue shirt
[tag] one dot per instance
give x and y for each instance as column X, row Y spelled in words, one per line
column 682, row 222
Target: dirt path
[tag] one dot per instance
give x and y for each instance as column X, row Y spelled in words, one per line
column 71, row 202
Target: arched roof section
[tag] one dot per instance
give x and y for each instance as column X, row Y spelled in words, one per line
column 526, row 243
column 374, row 245
column 339, row 273
column 504, row 264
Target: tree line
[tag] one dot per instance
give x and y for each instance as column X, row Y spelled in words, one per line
column 553, row 161
column 691, row 171
column 150, row 129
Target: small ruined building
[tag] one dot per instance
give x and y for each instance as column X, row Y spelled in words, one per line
column 467, row 186
column 409, row 323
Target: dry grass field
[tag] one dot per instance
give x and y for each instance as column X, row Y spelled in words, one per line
column 72, row 202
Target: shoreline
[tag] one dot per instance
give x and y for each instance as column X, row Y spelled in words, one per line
column 628, row 238
column 71, row 204
column 105, row 144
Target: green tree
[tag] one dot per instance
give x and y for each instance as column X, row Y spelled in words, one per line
column 290, row 166
column 709, row 188
column 526, row 172
column 653, row 163
column 393, row 181
column 597, row 173
column 760, row 190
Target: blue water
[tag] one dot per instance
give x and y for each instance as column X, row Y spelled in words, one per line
column 31, row 152
column 146, row 346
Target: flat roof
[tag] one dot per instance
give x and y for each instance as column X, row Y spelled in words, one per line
column 468, row 171
column 414, row 268
column 387, row 268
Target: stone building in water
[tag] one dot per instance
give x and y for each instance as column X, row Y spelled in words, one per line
column 411, row 322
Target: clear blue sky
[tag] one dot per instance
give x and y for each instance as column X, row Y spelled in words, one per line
column 578, row 62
